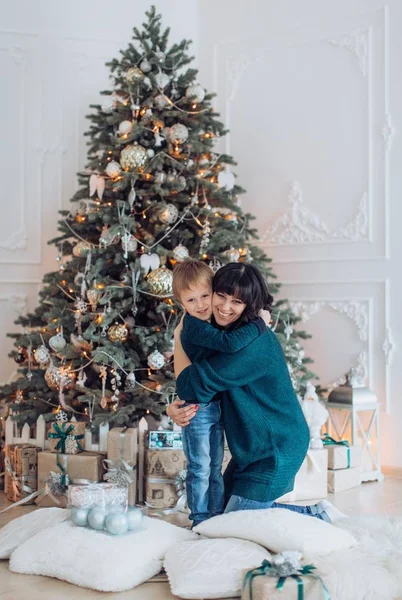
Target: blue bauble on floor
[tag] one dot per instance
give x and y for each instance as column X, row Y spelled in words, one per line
column 79, row 516
column 134, row 518
column 96, row 518
column 116, row 523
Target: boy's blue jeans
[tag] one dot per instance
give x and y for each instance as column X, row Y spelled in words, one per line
column 239, row 503
column 203, row 442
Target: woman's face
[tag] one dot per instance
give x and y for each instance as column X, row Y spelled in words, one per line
column 226, row 309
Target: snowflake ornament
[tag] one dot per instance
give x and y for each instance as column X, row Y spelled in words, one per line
column 61, row 416
column 71, row 445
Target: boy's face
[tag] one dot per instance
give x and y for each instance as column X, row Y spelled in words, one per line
column 197, row 301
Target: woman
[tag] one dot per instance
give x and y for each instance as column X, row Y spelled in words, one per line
column 265, row 427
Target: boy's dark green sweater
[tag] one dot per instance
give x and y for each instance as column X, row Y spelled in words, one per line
column 265, row 427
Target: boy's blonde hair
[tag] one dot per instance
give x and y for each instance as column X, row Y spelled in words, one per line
column 188, row 274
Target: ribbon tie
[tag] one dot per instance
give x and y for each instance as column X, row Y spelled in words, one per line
column 271, row 570
column 330, row 441
column 61, row 433
column 120, row 472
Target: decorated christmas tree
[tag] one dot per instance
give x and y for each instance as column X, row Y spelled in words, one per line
column 155, row 191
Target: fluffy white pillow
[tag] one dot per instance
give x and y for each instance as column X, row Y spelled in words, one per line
column 95, row 559
column 211, row 568
column 279, row 529
column 21, row 529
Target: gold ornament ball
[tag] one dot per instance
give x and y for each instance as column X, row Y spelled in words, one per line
column 160, row 282
column 117, row 333
column 134, row 75
column 133, row 156
column 59, row 377
column 81, row 249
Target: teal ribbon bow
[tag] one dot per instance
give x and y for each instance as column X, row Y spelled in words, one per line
column 267, row 568
column 61, row 433
column 330, row 441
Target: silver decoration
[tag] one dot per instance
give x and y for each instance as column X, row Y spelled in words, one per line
column 180, row 253
column 41, row 355
column 113, row 169
column 195, row 92
column 156, row 360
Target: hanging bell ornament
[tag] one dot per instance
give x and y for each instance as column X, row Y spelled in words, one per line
column 133, row 156
column 160, row 282
column 113, row 169
column 134, row 75
column 156, row 360
column 117, row 333
column 57, row 342
column 42, row 355
column 180, row 253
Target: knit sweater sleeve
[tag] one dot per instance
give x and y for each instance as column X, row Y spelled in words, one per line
column 205, row 335
column 201, row 381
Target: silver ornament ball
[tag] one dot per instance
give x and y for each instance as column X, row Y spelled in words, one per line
column 134, row 518
column 195, row 92
column 116, row 523
column 79, row 516
column 125, row 127
column 96, row 518
column 180, row 253
column 113, row 169
column 57, row 342
column 178, row 133
column 42, row 355
column 156, row 360
column 169, row 214
column 145, row 66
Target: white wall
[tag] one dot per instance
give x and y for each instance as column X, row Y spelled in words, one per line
column 311, row 92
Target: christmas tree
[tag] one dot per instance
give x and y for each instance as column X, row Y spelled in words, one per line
column 155, row 192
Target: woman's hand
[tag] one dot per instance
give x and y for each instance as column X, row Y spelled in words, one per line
column 181, row 416
column 265, row 316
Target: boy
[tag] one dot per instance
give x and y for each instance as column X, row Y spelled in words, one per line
column 203, row 438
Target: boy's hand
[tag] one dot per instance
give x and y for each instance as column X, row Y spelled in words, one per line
column 265, row 316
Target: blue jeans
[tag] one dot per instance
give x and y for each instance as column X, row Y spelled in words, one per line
column 203, row 442
column 239, row 503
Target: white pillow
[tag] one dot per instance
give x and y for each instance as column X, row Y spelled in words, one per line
column 279, row 529
column 211, row 568
column 95, row 559
column 21, row 529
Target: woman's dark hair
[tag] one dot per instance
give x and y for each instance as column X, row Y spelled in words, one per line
column 246, row 283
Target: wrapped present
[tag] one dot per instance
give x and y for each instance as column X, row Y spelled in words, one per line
column 21, row 465
column 311, row 479
column 107, row 496
column 283, row 578
column 165, row 440
column 56, row 471
column 121, row 462
column 161, row 492
column 67, row 437
column 343, row 479
column 340, row 454
column 164, row 464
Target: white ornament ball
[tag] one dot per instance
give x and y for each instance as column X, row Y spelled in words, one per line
column 145, row 66
column 129, row 244
column 195, row 92
column 178, row 133
column 133, row 156
column 125, row 127
column 113, row 169
column 161, row 101
column 97, row 518
column 116, row 523
column 57, row 342
column 180, row 253
column 156, row 360
column 151, row 152
column 169, row 214
column 134, row 518
column 79, row 516
column 162, row 80
column 42, row 354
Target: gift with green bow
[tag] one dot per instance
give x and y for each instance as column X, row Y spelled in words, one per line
column 283, row 577
column 341, row 455
column 67, row 437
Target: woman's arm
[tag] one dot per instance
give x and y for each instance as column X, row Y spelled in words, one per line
column 181, row 360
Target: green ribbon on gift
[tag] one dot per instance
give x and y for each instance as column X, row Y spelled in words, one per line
column 270, row 570
column 330, row 441
column 61, row 433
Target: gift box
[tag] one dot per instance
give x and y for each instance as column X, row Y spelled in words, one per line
column 165, row 440
column 107, row 496
column 160, row 492
column 311, row 479
column 56, row 471
column 21, row 471
column 121, row 463
column 343, row 479
column 264, row 587
column 164, row 464
column 67, row 438
column 343, row 457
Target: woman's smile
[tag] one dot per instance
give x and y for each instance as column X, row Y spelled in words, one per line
column 226, row 308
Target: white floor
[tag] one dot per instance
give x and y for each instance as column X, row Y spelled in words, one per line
column 369, row 498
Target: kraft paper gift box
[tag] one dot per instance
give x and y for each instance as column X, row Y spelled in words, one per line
column 67, row 438
column 164, row 463
column 343, row 479
column 22, row 459
column 160, row 492
column 83, row 466
column 343, row 457
column 264, row 588
column 122, row 450
column 311, row 479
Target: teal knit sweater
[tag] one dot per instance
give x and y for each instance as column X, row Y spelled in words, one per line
column 266, row 431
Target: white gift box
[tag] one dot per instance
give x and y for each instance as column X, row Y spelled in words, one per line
column 343, row 479
column 338, row 457
column 311, row 479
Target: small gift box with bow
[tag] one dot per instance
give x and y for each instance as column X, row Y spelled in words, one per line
column 121, row 462
column 67, row 437
column 284, row 578
column 340, row 454
column 21, row 471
